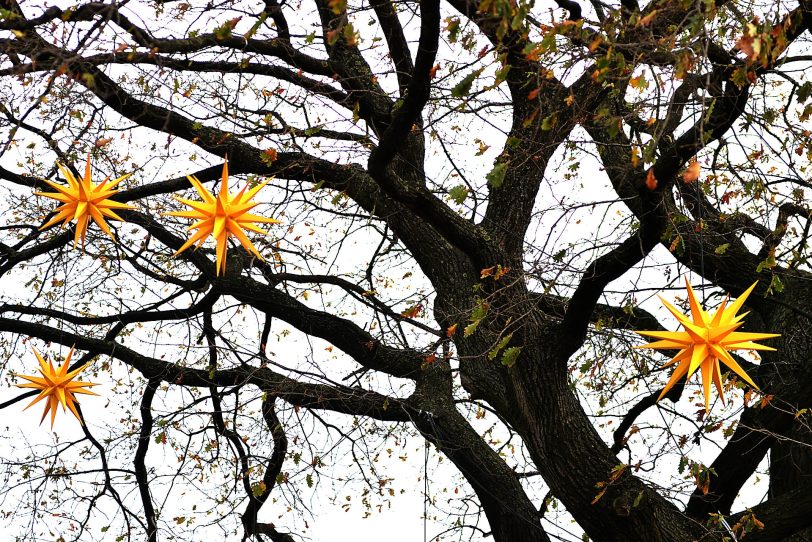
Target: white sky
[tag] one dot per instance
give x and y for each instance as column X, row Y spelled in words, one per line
column 401, row 516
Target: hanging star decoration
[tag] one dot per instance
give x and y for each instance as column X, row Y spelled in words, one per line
column 57, row 386
column 83, row 200
column 222, row 217
column 705, row 341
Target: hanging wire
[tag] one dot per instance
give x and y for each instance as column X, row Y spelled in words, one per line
column 64, row 295
column 727, row 526
column 701, row 242
column 425, row 491
column 699, row 201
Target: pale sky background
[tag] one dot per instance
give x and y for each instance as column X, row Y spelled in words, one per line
column 401, row 519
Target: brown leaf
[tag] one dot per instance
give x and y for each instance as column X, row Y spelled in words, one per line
column 750, row 42
column 413, row 312
column 651, row 180
column 692, row 173
column 269, row 156
column 595, row 44
column 745, row 45
column 645, row 21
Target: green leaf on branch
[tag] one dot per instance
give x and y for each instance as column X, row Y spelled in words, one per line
column 258, row 488
column 510, row 356
column 775, row 285
column 497, row 175
column 459, row 194
column 804, row 91
column 477, row 315
column 500, row 346
column 549, row 122
column 452, row 26
column 768, row 263
column 463, row 88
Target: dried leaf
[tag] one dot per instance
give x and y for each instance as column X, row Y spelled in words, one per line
column 651, row 180
column 645, row 21
column 692, row 173
column 269, row 156
column 635, row 156
column 595, row 44
column 413, row 311
column 750, row 43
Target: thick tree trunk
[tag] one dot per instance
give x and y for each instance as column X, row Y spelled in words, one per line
column 578, row 465
column 791, row 453
column 791, row 469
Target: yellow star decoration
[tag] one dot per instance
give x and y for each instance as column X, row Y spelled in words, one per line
column 84, row 200
column 56, row 386
column 222, row 217
column 706, row 341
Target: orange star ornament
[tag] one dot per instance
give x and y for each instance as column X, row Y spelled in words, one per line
column 56, row 386
column 705, row 341
column 83, row 200
column 222, row 217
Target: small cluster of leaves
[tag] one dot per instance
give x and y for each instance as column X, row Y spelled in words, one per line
column 459, row 194
column 603, row 486
column 763, row 43
column 223, row 32
column 573, row 29
column 699, row 472
column 496, row 176
column 477, row 316
column 747, row 524
column 508, row 14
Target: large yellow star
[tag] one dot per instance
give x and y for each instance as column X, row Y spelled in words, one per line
column 706, row 341
column 222, row 217
column 84, row 200
column 57, row 386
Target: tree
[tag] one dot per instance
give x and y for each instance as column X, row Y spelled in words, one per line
column 441, row 169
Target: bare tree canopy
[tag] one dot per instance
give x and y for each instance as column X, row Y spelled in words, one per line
column 478, row 200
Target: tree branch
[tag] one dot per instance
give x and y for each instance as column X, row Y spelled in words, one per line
column 140, row 455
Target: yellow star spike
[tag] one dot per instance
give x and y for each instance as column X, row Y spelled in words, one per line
column 222, row 217
column 705, row 341
column 83, row 200
column 57, row 386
